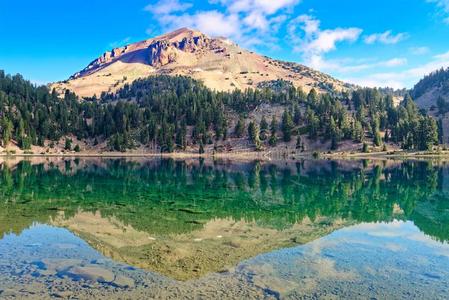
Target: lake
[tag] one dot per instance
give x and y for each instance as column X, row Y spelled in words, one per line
column 134, row 228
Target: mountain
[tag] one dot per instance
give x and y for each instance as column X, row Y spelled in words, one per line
column 432, row 89
column 218, row 62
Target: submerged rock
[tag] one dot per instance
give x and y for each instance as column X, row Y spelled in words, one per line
column 124, row 282
column 94, row 274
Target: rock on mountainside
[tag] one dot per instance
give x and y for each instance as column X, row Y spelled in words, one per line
column 218, row 62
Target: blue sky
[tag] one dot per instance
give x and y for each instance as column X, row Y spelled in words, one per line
column 374, row 43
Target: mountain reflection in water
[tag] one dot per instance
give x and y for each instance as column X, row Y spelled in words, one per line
column 187, row 219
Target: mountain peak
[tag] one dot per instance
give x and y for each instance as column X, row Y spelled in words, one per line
column 179, row 34
column 218, row 62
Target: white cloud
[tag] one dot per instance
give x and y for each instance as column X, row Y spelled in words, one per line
column 256, row 20
column 260, row 15
column 442, row 56
column 326, row 40
column 395, row 62
column 419, row 50
column 377, row 80
column 267, row 7
column 213, row 23
column 405, row 78
column 386, row 37
column 164, row 7
column 351, row 66
column 313, row 43
column 308, row 24
column 248, row 22
column 444, row 6
column 216, row 23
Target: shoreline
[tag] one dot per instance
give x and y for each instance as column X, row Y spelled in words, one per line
column 254, row 155
column 243, row 155
column 388, row 155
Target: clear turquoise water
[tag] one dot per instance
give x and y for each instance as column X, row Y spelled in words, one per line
column 308, row 229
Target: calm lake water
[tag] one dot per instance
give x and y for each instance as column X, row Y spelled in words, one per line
column 143, row 229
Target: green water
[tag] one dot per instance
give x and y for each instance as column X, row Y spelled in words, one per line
column 169, row 197
column 191, row 221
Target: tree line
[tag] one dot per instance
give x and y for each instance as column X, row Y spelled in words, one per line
column 174, row 112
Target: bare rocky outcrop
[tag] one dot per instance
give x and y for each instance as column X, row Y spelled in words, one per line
column 161, row 54
column 164, row 52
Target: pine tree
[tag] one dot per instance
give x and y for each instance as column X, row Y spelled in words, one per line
column 312, row 97
column 263, row 124
column 264, row 129
column 287, row 126
column 225, row 129
column 313, row 123
column 346, row 127
column 296, row 115
column 68, row 144
column 251, row 131
column 427, row 133
column 358, row 134
column 181, row 137
column 298, row 142
column 7, row 129
column 201, row 149
column 377, row 140
column 253, row 134
column 273, row 126
column 365, row 148
column 239, row 128
column 376, row 135
column 272, row 141
column 334, row 143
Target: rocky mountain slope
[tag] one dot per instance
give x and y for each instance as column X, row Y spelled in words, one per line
column 432, row 94
column 218, row 62
column 431, row 88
